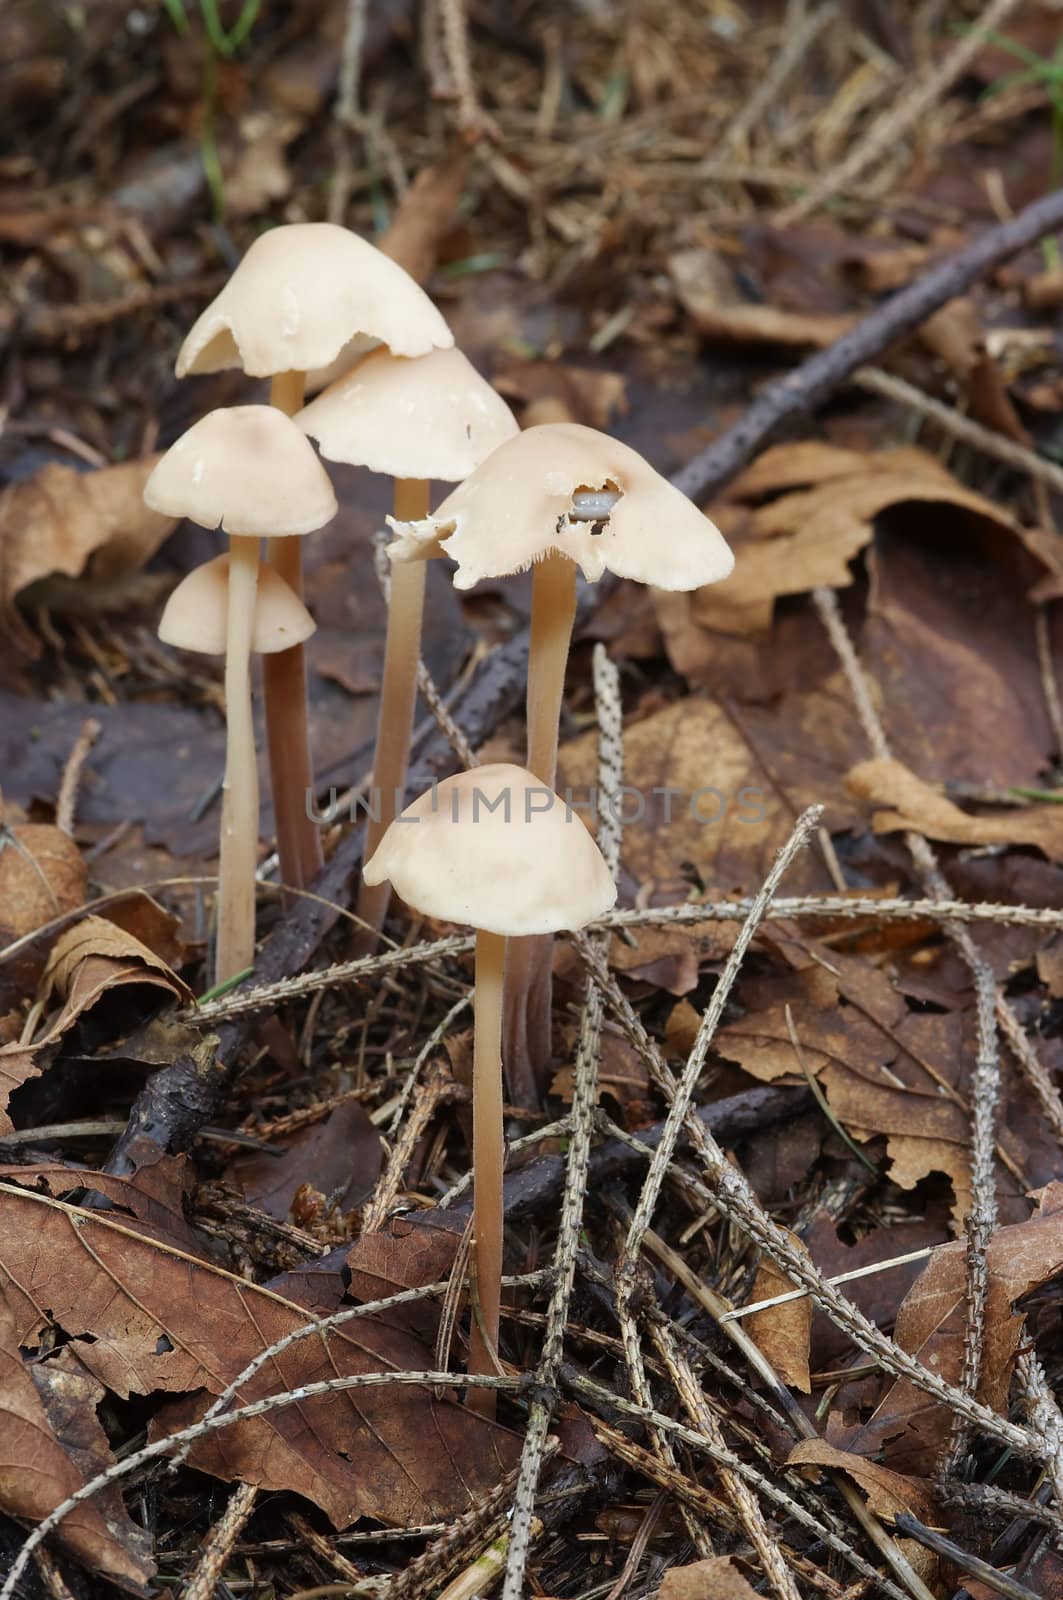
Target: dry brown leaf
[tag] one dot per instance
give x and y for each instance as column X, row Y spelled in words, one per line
column 887, row 1492
column 908, row 1427
column 707, row 293
column 70, row 522
column 723, row 822
column 917, row 807
column 76, row 971
column 879, row 1063
column 587, row 394
column 341, row 1156
column 807, row 537
column 50, row 1442
column 425, row 216
column 42, row 876
column 783, row 1333
column 146, row 1318
column 715, row 1579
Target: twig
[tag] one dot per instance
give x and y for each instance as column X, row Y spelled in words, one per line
column 597, row 1394
column 67, row 799
column 999, row 1582
column 1049, row 681
column 796, row 44
column 581, row 1125
column 954, row 423
column 801, row 390
column 741, row 1312
column 218, row 1546
column 346, row 111
column 885, row 134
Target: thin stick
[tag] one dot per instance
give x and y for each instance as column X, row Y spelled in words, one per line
column 218, row 1546
column 284, row 681
column 487, row 1160
column 238, row 846
column 842, row 1277
column 67, row 799
column 885, row 134
column 398, row 698
column 999, row 1582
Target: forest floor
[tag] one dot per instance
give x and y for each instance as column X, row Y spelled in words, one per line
column 772, row 1070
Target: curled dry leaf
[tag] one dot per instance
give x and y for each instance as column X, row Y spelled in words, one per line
column 908, row 1428
column 918, row 807
column 144, row 1318
column 783, row 1333
column 86, row 962
column 707, row 293
column 887, row 1492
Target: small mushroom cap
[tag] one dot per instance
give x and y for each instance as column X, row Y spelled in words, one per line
column 513, row 510
column 247, row 469
column 196, row 616
column 433, row 417
column 300, row 294
column 495, row 849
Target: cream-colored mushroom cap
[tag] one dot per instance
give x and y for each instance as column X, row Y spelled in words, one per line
column 300, row 294
column 247, row 469
column 433, row 417
column 497, row 850
column 196, row 616
column 515, row 508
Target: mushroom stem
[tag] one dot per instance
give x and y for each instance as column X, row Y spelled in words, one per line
column 284, row 677
column 529, row 985
column 235, row 950
column 487, row 1150
column 398, row 697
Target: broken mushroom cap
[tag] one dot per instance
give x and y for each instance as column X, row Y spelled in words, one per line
column 432, row 417
column 196, row 616
column 497, row 850
column 247, row 469
column 301, row 294
column 516, row 508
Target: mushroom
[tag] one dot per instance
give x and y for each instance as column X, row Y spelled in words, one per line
column 559, row 498
column 431, row 417
column 303, row 296
column 498, row 850
column 250, row 471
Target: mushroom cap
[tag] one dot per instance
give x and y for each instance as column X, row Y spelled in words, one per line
column 248, row 470
column 513, row 510
column 196, row 616
column 432, row 417
column 531, row 868
column 299, row 295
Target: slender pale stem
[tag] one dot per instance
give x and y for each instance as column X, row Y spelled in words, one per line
column 238, row 851
column 552, row 616
column 487, row 1150
column 287, row 730
column 398, row 697
column 529, row 983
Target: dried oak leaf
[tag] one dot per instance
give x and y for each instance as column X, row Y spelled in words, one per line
column 73, row 523
column 722, row 820
column 908, row 1428
column 918, row 807
column 715, row 1579
column 50, row 1443
column 881, row 1065
column 146, row 1318
column 808, row 535
column 783, row 1333
column 151, row 1198
column 341, row 1156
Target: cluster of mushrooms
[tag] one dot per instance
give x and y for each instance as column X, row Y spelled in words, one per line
column 308, row 304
